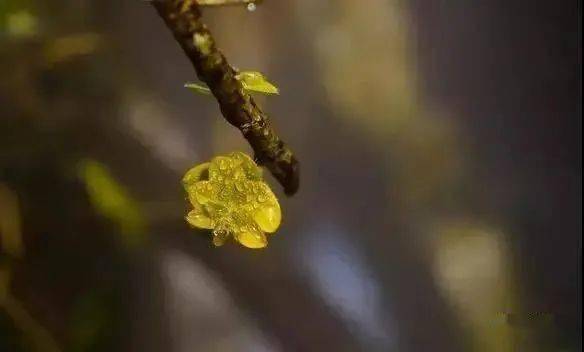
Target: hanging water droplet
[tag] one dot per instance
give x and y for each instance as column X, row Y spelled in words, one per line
column 251, row 7
column 220, row 236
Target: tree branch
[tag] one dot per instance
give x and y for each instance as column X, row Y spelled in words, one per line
column 183, row 18
column 227, row 2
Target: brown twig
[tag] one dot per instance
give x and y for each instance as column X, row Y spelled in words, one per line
column 227, row 2
column 183, row 18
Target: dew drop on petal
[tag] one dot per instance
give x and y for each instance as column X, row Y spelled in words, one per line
column 203, row 192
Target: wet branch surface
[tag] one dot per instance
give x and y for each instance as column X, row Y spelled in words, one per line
column 183, row 18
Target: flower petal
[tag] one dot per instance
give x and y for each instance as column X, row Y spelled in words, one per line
column 250, row 168
column 204, row 192
column 197, row 173
column 252, row 238
column 268, row 218
column 220, row 168
column 198, row 218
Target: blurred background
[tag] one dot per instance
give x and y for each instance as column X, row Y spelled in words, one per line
column 440, row 201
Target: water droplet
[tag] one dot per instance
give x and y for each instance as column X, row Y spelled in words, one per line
column 220, row 236
column 223, row 163
column 251, row 7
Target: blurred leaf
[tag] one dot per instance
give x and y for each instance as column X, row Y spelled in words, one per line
column 10, row 226
column 111, row 200
column 5, row 276
column 92, row 319
column 38, row 338
column 72, row 46
column 21, row 24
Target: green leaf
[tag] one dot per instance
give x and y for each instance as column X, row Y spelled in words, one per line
column 252, row 82
column 256, row 82
column 113, row 201
column 198, row 88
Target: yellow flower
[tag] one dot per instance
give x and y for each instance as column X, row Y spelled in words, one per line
column 230, row 197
